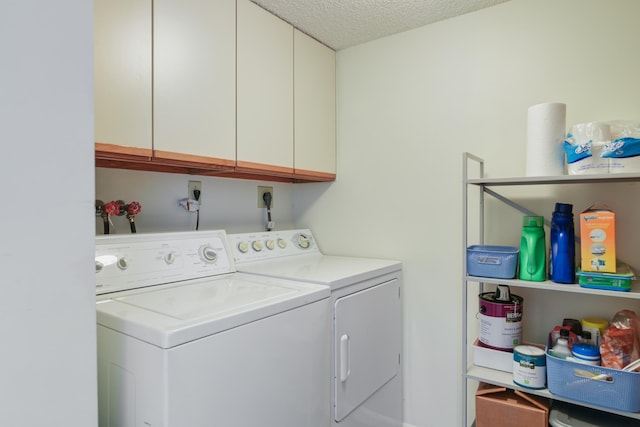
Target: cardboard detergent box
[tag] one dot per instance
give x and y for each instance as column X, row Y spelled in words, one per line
column 501, row 407
column 598, row 239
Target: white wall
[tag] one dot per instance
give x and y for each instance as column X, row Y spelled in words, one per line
column 47, row 306
column 229, row 204
column 410, row 104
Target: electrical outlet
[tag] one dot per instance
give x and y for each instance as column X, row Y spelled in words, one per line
column 261, row 191
column 195, row 185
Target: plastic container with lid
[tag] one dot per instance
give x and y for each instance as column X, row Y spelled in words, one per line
column 621, row 280
column 586, row 353
column 597, row 327
column 567, row 415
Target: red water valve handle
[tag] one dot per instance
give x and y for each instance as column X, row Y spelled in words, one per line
column 112, row 208
column 134, row 208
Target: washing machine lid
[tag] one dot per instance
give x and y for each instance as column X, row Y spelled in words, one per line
column 334, row 271
column 170, row 315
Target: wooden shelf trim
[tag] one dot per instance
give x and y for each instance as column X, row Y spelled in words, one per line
column 143, row 159
column 121, row 152
column 191, row 160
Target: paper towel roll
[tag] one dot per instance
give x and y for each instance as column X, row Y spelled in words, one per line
column 545, row 136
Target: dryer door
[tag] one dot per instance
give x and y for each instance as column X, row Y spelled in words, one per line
column 367, row 344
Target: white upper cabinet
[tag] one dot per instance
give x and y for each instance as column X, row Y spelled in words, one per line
column 122, row 74
column 315, row 107
column 264, row 91
column 194, row 80
column 212, row 86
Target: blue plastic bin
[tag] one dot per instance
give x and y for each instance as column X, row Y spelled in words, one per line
column 499, row 262
column 596, row 385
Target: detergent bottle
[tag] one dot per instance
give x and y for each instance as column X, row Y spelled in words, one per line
column 562, row 242
column 533, row 259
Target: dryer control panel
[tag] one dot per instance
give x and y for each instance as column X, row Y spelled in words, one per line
column 138, row 260
column 271, row 244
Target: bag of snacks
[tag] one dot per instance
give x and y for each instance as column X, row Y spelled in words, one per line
column 621, row 341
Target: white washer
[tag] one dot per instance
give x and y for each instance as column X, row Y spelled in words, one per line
column 186, row 341
column 367, row 327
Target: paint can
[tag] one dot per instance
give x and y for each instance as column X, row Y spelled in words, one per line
column 529, row 367
column 500, row 319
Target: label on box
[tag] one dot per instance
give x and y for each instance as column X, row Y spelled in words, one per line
column 598, row 240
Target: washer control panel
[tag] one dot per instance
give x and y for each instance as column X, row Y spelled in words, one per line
column 271, row 244
column 139, row 260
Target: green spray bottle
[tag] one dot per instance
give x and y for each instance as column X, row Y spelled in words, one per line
column 533, row 251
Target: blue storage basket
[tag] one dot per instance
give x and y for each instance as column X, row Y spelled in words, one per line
column 499, row 262
column 596, row 385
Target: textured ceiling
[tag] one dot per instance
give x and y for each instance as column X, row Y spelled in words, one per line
column 343, row 23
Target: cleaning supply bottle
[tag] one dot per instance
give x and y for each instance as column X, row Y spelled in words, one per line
column 561, row 349
column 533, row 259
column 562, row 251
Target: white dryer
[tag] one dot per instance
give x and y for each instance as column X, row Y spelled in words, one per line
column 185, row 340
column 367, row 326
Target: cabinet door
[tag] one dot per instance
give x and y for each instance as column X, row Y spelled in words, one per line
column 122, row 77
column 194, row 81
column 315, row 108
column 265, row 91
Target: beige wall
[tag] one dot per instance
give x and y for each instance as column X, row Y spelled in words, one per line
column 410, row 104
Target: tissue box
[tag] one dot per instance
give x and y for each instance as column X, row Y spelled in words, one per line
column 598, row 239
column 502, row 407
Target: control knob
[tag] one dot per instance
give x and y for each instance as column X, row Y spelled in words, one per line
column 303, row 241
column 170, row 257
column 123, row 264
column 243, row 247
column 208, row 254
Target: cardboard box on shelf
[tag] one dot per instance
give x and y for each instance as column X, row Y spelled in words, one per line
column 501, row 407
column 598, row 239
